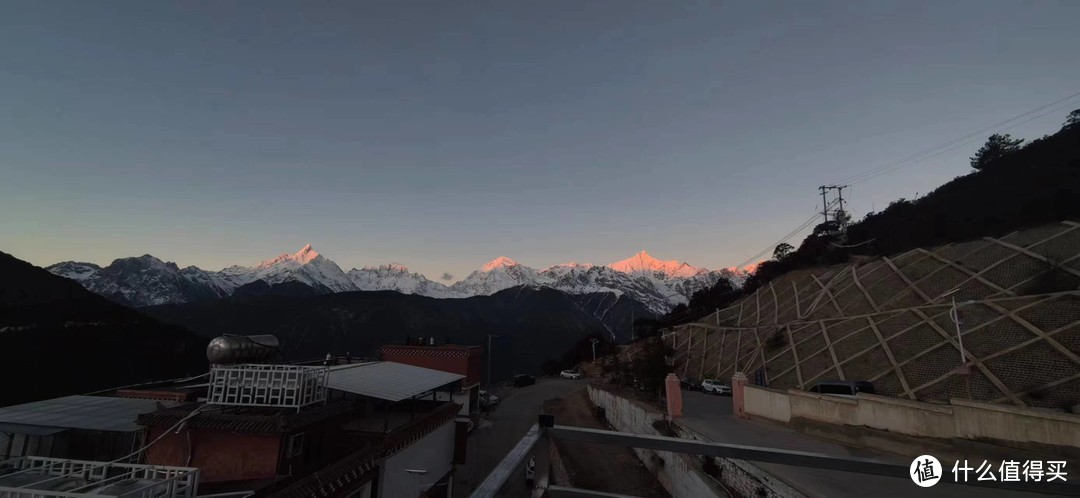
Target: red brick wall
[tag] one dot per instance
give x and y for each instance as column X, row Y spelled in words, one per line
column 220, row 455
column 463, row 361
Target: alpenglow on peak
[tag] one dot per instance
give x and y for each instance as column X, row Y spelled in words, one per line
column 644, row 262
column 499, row 262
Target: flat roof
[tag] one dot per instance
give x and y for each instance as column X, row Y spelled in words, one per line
column 99, row 413
column 30, row 430
column 388, row 380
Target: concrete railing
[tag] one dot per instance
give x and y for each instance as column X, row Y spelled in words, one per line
column 963, row 419
column 823, row 408
column 678, row 473
column 772, row 404
column 1009, row 423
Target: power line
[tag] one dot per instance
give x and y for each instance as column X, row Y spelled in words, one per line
column 930, row 154
column 956, row 142
column 810, row 221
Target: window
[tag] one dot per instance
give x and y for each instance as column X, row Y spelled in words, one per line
column 295, row 445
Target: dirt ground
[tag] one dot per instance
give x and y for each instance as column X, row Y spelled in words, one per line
column 599, row 467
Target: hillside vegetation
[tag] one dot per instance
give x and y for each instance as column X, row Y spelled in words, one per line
column 1016, row 188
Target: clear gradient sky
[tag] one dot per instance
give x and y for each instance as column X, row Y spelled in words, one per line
column 443, row 134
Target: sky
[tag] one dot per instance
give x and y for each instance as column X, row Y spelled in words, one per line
column 441, row 135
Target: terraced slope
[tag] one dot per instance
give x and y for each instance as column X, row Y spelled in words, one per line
column 886, row 320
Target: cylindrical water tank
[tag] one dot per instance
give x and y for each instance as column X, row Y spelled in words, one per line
column 231, row 349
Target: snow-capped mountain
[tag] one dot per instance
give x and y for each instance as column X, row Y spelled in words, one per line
column 396, row 277
column 498, row 274
column 143, row 281
column 642, row 262
column 658, row 285
column 305, row 266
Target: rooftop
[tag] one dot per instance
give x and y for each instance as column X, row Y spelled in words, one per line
column 388, row 380
column 251, row 420
column 78, row 412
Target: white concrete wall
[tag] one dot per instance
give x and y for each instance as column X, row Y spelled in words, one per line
column 824, row 408
column 907, row 417
column 434, row 453
column 767, row 403
column 959, row 419
column 677, row 472
column 1007, row 423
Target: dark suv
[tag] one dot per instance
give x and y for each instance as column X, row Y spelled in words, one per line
column 846, row 388
column 523, row 380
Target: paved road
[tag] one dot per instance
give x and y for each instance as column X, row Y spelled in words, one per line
column 712, row 417
column 494, row 438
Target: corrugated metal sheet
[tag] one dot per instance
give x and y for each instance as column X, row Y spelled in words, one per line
column 30, row 430
column 98, row 413
column 388, row 380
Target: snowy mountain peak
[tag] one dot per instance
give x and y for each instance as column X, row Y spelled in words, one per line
column 306, row 254
column 499, row 262
column 644, row 262
column 572, row 264
column 302, row 257
column 395, row 267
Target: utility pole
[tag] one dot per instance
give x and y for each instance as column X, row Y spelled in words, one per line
column 594, row 341
column 824, row 203
column 489, row 336
column 840, row 224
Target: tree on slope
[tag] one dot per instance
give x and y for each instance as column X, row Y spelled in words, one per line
column 782, row 251
column 1073, row 119
column 996, row 147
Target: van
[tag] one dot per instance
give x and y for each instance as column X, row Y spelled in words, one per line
column 845, row 388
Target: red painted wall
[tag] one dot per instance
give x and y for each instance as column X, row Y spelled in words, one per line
column 220, row 455
column 470, row 363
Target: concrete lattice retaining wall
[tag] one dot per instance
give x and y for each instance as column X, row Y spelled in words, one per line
column 1005, row 425
column 679, row 473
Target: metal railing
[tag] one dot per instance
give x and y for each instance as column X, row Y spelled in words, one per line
column 284, row 386
column 42, row 477
column 534, row 445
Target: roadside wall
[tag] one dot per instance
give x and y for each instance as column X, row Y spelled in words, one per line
column 1004, row 425
column 1007, row 423
column 767, row 403
column 680, row 473
column 823, row 408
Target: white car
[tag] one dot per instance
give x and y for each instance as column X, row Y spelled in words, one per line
column 715, row 387
column 570, row 374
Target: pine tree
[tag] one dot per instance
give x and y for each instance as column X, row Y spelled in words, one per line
column 996, row 147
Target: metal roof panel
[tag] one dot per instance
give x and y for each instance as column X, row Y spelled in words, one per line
column 99, row 413
column 388, row 380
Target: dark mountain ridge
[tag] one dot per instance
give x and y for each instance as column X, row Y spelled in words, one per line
column 62, row 339
column 532, row 324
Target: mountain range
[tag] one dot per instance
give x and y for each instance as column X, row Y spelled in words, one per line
column 147, row 281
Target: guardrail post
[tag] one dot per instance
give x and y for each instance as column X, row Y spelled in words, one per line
column 542, row 456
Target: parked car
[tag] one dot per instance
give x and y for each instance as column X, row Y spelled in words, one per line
column 488, row 400
column 523, row 380
column 845, row 388
column 715, row 387
column 690, row 384
column 570, row 374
